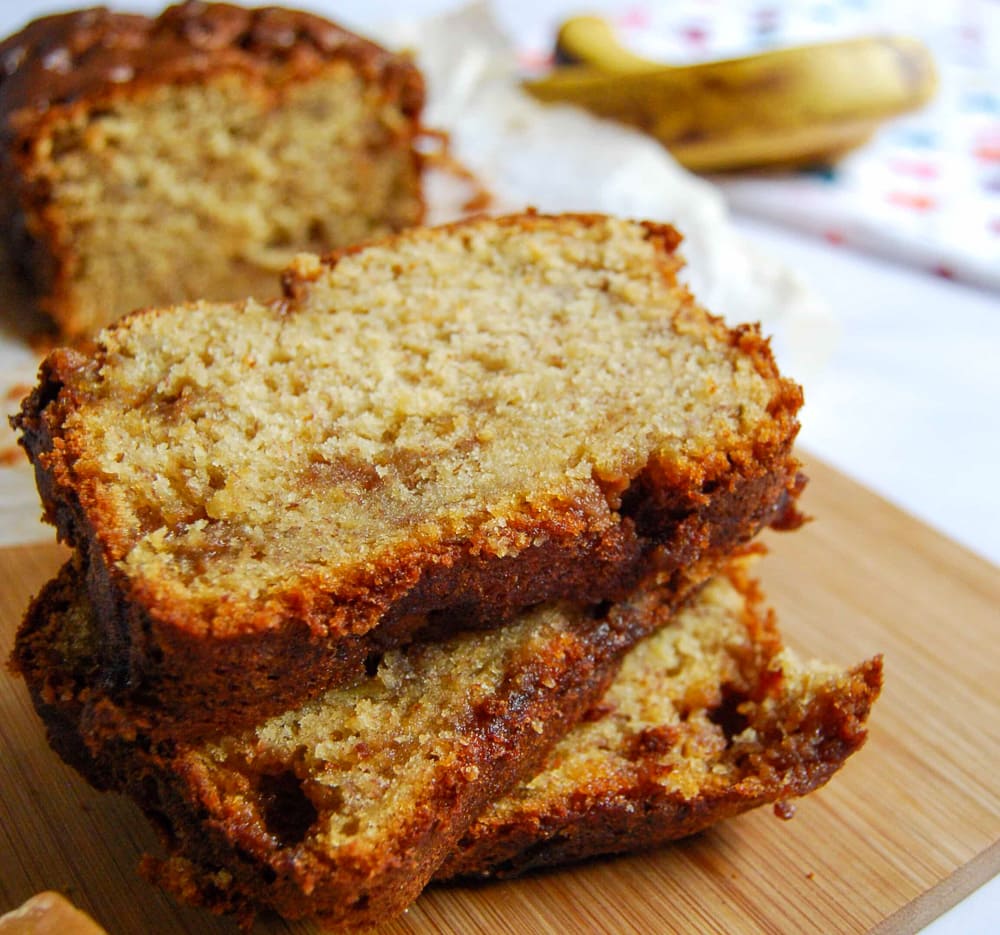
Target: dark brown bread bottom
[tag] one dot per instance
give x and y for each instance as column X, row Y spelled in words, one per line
column 707, row 718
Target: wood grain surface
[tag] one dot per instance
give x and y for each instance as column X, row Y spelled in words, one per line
column 909, row 827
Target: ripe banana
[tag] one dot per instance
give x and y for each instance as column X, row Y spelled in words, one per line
column 782, row 108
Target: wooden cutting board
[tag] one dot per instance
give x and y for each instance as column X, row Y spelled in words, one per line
column 909, row 827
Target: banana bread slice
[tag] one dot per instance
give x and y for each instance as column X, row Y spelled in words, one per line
column 425, row 433
column 149, row 160
column 341, row 808
column 708, row 717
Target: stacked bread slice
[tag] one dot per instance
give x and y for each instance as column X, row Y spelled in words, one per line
column 355, row 569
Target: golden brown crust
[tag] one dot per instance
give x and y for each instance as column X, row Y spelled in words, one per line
column 669, row 519
column 666, row 237
column 237, row 818
column 84, row 55
column 67, row 65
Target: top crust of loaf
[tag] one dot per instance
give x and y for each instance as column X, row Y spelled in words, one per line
column 476, row 417
column 66, row 60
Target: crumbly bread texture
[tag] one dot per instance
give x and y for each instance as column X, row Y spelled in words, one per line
column 428, row 432
column 707, row 718
column 148, row 161
column 342, row 808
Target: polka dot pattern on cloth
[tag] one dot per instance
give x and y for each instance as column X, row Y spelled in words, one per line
column 926, row 189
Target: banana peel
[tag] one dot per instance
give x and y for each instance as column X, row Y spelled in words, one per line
column 782, row 108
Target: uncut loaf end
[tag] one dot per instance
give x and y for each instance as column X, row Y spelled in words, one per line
column 146, row 161
column 428, row 432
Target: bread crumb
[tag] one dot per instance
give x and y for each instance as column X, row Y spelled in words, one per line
column 784, row 810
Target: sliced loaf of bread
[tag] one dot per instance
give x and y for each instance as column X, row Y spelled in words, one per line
column 429, row 432
column 343, row 808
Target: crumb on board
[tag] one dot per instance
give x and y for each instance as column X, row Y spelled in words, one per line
column 784, row 810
